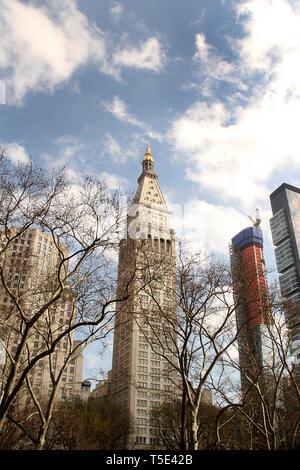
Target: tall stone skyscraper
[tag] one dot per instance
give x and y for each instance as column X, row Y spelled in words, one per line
column 252, row 312
column 143, row 350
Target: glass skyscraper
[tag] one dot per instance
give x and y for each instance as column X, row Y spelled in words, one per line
column 285, row 227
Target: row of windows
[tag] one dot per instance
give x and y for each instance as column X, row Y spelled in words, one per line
column 143, row 440
column 141, row 412
column 142, row 421
column 141, row 402
column 289, row 281
column 153, row 355
column 154, row 386
column 154, row 378
column 38, row 380
column 45, row 240
column 154, row 396
column 155, row 243
column 279, row 226
column 143, row 431
column 22, row 243
column 284, row 255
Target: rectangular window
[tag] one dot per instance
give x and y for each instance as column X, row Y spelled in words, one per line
column 167, row 388
column 141, row 430
column 155, row 386
column 141, row 402
column 141, row 421
column 143, row 361
column 284, row 255
column 141, row 384
column 167, row 380
column 141, row 412
column 154, row 403
column 155, row 363
column 279, row 226
column 142, row 354
column 154, row 440
column 155, row 356
column 142, row 377
column 142, row 339
column 289, row 281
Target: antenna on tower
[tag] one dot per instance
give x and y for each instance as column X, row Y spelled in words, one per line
column 257, row 220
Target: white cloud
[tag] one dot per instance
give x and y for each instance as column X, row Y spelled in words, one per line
column 149, row 55
column 111, row 147
column 113, row 181
column 69, row 151
column 92, row 362
column 207, row 226
column 267, row 38
column 42, row 46
column 212, row 67
column 234, row 151
column 16, row 152
column 118, row 153
column 116, row 12
column 119, row 109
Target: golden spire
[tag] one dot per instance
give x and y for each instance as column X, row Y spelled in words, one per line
column 148, row 154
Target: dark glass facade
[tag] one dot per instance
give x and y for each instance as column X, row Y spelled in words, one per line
column 285, row 228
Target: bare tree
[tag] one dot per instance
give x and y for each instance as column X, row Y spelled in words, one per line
column 81, row 222
column 193, row 340
column 269, row 411
column 199, row 343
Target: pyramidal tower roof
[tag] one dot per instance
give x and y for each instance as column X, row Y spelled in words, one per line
column 148, row 191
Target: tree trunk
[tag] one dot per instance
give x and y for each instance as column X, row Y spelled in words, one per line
column 195, row 428
column 183, row 422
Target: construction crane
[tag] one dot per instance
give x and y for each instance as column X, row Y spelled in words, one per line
column 257, row 220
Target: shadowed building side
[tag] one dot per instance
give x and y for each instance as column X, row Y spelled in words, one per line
column 285, row 228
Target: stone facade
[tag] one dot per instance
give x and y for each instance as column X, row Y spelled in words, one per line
column 143, row 349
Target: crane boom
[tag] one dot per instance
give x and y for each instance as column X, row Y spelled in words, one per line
column 257, row 220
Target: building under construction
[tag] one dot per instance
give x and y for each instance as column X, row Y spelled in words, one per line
column 252, row 304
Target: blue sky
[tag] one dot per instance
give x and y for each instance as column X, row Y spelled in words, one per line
column 212, row 85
